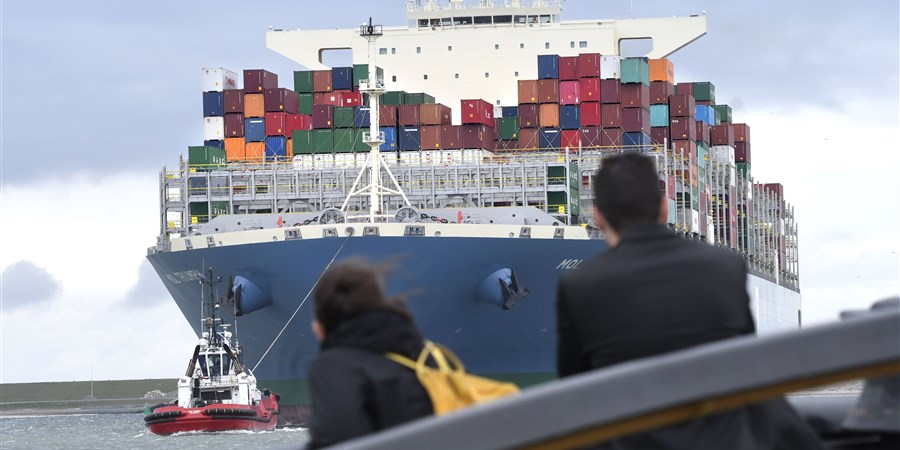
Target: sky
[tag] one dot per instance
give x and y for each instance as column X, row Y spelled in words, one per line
column 96, row 96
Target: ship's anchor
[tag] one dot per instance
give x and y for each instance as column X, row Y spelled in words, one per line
column 511, row 290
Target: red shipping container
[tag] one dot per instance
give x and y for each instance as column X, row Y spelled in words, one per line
column 282, row 100
column 234, row 125
column 589, row 89
column 741, row 132
column 682, row 128
column 686, row 148
column 635, row 95
column 721, row 134
column 568, row 68
column 611, row 115
column 350, row 98
column 476, row 111
column 590, row 137
column 528, row 116
column 611, row 137
column 234, row 101
column 475, row 136
column 660, row 91
column 609, row 91
column 450, row 137
column 408, row 115
column 298, row 122
column 659, row 135
column 681, row 105
column 507, row 144
column 276, row 124
column 529, row 139
column 434, row 114
column 322, row 81
column 430, row 137
column 588, row 65
column 742, row 152
column 328, row 98
column 685, row 89
column 323, row 116
column 258, row 80
column 387, row 115
column 702, row 131
column 670, row 182
column 569, row 92
column 528, row 91
column 590, row 113
column 636, row 120
column 548, row 91
column 570, row 139
column 775, row 188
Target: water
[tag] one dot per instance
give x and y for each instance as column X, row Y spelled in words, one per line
column 127, row 431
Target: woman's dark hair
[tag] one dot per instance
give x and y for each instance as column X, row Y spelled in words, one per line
column 352, row 287
column 626, row 190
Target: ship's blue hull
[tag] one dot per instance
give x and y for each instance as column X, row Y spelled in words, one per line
column 439, row 277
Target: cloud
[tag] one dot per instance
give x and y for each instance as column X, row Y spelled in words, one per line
column 149, row 290
column 24, row 285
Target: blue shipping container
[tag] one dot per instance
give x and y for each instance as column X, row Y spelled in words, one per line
column 213, row 104
column 409, row 139
column 550, row 138
column 342, row 78
column 216, row 143
column 254, row 130
column 276, row 146
column 570, row 117
column 659, row 115
column 635, row 138
column 390, row 139
column 548, row 67
column 361, row 117
column 706, row 114
column 510, row 111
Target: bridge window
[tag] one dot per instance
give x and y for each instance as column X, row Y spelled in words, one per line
column 582, row 44
column 462, row 21
column 503, row 19
column 482, row 20
column 382, row 51
column 519, row 19
column 423, row 23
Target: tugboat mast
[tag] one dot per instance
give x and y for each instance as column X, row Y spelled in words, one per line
column 374, row 87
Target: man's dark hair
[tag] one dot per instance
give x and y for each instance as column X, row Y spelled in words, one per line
column 626, row 190
column 352, row 287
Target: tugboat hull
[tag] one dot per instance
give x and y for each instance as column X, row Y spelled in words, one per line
column 168, row 420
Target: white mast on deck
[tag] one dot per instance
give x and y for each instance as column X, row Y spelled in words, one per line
column 374, row 163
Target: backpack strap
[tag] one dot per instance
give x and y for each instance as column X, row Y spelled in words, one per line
column 446, row 360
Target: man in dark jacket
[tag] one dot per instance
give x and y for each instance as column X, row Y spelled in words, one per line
column 654, row 292
column 354, row 388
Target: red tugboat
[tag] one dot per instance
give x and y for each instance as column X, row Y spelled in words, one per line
column 216, row 393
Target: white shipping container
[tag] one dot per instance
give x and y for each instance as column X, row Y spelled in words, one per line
column 411, row 158
column 722, row 154
column 710, row 234
column 218, row 80
column 321, row 160
column 213, row 128
column 610, row 67
column 498, row 111
column 695, row 221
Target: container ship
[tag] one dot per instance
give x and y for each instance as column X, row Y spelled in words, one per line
column 479, row 207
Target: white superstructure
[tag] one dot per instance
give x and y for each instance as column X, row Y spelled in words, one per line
column 454, row 50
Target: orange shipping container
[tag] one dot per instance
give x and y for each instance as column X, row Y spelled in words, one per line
column 662, row 70
column 255, row 151
column 254, row 105
column 434, row 114
column 234, row 149
column 290, row 147
column 548, row 117
column 528, row 91
column 548, row 91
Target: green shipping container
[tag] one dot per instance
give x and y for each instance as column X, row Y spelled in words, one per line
column 393, row 98
column 306, row 104
column 323, row 141
column 635, row 70
column 358, row 144
column 509, row 128
column 361, row 71
column 203, row 157
column 659, row 115
column 702, row 154
column 418, row 98
column 723, row 112
column 303, row 82
column 692, row 198
column 743, row 168
column 343, row 117
column 705, row 91
column 348, row 140
column 303, row 143
column 574, row 201
column 202, row 212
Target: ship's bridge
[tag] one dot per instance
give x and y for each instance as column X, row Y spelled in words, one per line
column 458, row 13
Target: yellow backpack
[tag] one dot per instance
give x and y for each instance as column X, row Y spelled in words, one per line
column 448, row 385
